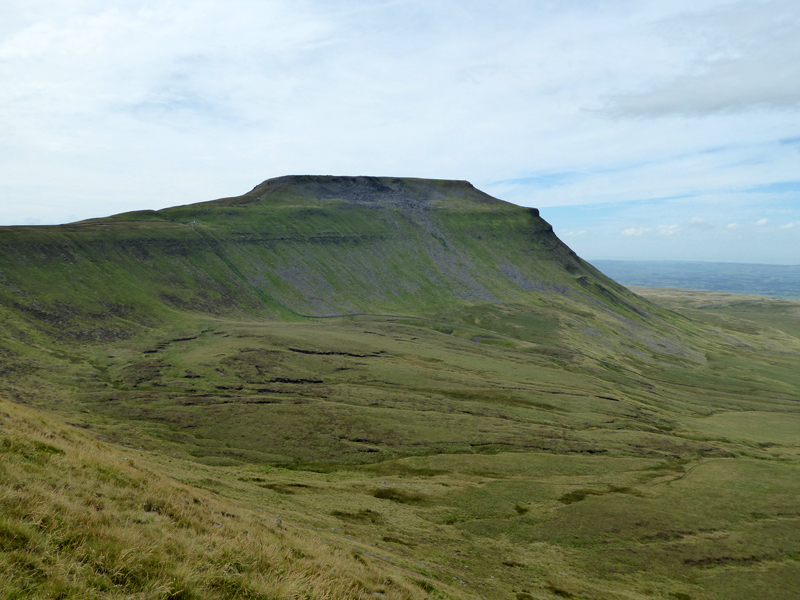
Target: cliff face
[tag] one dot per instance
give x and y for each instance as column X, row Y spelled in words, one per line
column 316, row 246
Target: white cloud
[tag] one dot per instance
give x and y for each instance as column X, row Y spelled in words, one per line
column 790, row 225
column 700, row 223
column 744, row 55
column 636, row 230
column 668, row 230
column 732, row 226
column 762, row 222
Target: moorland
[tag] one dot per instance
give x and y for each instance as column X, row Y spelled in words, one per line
column 383, row 388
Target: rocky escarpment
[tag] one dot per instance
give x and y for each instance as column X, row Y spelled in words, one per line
column 301, row 245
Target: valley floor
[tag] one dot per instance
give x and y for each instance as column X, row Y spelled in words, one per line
column 398, row 457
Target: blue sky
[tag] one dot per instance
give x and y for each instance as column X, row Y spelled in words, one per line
column 641, row 129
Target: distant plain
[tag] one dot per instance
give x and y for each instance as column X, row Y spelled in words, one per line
column 778, row 281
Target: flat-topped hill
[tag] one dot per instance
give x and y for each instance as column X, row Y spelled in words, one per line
column 311, row 246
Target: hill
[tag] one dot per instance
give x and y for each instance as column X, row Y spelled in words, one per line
column 420, row 379
column 299, row 246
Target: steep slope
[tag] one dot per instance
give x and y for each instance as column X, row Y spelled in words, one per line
column 312, row 246
column 81, row 519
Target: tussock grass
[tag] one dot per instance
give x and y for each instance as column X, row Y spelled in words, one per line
column 81, row 519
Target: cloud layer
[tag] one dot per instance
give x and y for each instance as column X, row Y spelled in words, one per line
column 686, row 114
column 742, row 56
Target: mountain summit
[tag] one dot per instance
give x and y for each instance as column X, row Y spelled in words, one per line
column 315, row 246
column 327, row 245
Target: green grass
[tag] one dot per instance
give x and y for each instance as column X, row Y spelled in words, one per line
column 495, row 466
column 82, row 519
column 188, row 433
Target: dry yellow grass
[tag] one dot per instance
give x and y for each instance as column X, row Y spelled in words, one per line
column 80, row 519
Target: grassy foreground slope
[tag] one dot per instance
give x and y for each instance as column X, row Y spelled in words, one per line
column 388, row 388
column 81, row 519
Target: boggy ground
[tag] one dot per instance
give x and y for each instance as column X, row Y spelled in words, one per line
column 397, row 457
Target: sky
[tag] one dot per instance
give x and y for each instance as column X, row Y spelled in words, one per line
column 641, row 129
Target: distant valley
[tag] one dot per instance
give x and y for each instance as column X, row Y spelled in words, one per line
column 778, row 281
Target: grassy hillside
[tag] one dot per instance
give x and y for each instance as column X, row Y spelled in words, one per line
column 308, row 246
column 81, row 519
column 354, row 387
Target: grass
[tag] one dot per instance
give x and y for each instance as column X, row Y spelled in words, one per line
column 81, row 519
column 461, row 467
column 172, row 425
